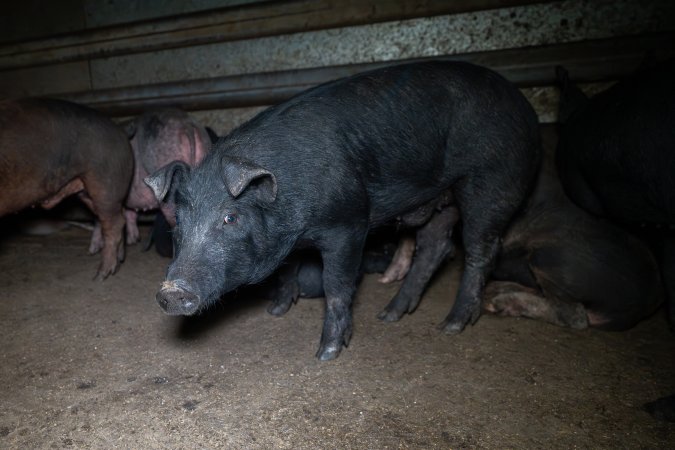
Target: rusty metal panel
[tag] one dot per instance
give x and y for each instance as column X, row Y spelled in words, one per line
column 228, row 24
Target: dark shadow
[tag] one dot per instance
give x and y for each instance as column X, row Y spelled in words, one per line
column 41, row 222
column 228, row 308
column 662, row 409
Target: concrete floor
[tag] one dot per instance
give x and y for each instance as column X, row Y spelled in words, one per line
column 86, row 364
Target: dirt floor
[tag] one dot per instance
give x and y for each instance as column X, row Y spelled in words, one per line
column 98, row 365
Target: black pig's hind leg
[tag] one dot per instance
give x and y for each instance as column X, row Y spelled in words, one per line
column 434, row 244
column 486, row 203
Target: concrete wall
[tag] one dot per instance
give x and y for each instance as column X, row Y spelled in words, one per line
column 537, row 24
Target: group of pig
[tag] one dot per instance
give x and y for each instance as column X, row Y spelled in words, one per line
column 577, row 238
column 50, row 149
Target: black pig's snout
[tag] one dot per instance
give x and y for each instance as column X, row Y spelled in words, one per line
column 175, row 300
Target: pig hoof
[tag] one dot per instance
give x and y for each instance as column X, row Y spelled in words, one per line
column 133, row 235
column 455, row 322
column 389, row 315
column 102, row 274
column 278, row 309
column 389, row 278
column 328, row 352
column 392, row 275
column 452, row 327
column 121, row 253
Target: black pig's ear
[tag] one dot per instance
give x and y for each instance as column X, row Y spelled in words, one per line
column 212, row 134
column 572, row 99
column 167, row 179
column 239, row 173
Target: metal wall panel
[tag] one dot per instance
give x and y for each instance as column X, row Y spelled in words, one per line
column 487, row 30
column 504, row 28
column 110, row 12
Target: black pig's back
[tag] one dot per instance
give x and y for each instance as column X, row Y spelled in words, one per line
column 389, row 140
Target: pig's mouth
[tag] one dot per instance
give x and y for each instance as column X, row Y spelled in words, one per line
column 176, row 300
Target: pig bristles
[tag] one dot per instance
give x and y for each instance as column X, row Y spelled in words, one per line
column 169, row 285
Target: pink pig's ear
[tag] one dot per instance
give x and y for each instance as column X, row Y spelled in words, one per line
column 195, row 143
column 240, row 174
column 167, row 179
column 203, row 144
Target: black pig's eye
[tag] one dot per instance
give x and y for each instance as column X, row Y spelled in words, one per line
column 230, row 219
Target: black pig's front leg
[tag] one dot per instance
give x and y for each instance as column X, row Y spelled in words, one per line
column 288, row 289
column 341, row 250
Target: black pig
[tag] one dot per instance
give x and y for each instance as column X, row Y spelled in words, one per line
column 617, row 150
column 562, row 265
column 323, row 168
column 616, row 156
column 616, row 159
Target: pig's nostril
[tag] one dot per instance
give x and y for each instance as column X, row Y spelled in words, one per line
column 187, row 304
column 176, row 301
column 162, row 301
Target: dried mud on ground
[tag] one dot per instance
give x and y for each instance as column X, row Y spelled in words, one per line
column 87, row 364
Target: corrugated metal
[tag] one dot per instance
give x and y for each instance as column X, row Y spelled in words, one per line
column 235, row 73
column 533, row 66
column 228, row 24
column 540, row 24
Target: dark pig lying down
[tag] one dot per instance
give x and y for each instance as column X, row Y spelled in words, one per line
column 562, row 265
column 418, row 142
column 50, row 149
column 616, row 160
column 617, row 156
